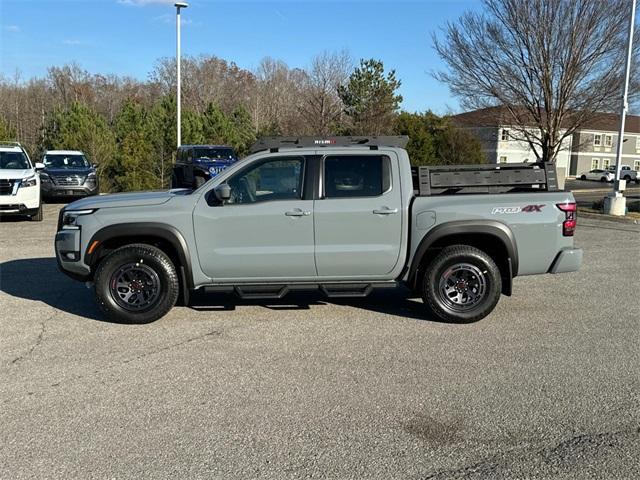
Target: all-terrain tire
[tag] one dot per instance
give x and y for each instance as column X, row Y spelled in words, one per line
column 462, row 284
column 136, row 268
column 37, row 217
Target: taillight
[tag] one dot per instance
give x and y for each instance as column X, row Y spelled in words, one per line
column 571, row 218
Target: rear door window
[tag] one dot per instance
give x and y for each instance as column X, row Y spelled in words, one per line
column 356, row 176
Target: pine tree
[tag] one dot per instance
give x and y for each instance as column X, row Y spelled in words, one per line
column 81, row 128
column 370, row 98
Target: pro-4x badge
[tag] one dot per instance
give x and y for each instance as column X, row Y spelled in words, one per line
column 509, row 210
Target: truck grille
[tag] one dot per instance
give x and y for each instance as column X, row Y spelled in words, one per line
column 68, row 180
column 6, row 187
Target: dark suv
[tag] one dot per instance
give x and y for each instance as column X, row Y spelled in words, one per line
column 67, row 173
column 195, row 164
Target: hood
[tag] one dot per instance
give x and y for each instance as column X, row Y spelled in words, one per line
column 10, row 174
column 131, row 199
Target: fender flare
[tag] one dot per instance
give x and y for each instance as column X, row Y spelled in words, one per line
column 163, row 231
column 464, row 227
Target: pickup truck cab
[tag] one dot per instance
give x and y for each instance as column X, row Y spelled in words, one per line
column 626, row 173
column 342, row 216
column 195, row 164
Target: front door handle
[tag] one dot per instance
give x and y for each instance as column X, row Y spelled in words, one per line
column 385, row 211
column 296, row 212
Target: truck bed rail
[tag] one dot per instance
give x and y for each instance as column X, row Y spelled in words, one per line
column 502, row 178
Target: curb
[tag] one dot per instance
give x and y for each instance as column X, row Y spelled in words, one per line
column 609, row 218
column 600, row 190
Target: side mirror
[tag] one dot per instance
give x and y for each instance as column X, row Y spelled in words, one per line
column 222, row 192
column 39, row 166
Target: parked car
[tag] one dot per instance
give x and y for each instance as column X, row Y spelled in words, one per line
column 19, row 182
column 598, row 174
column 68, row 173
column 195, row 164
column 626, row 173
column 343, row 216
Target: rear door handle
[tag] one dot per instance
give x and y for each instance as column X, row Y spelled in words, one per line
column 296, row 212
column 385, row 211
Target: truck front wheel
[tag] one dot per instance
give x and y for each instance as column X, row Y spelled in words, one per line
column 462, row 284
column 136, row 284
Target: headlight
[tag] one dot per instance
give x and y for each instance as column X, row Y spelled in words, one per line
column 44, row 177
column 29, row 181
column 91, row 177
column 70, row 218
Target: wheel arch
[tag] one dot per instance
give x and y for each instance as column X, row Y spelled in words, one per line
column 165, row 237
column 493, row 237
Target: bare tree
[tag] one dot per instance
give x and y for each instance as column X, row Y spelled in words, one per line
column 550, row 64
column 322, row 108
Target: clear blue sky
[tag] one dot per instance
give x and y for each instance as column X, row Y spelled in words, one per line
column 126, row 37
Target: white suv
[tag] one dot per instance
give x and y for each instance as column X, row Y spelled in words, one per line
column 19, row 183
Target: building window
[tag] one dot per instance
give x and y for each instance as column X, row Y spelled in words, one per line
column 637, row 143
column 595, row 163
column 504, row 136
column 636, row 165
column 608, row 140
column 503, row 159
column 605, row 163
column 597, row 140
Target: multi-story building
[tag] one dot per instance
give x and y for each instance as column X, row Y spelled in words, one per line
column 593, row 146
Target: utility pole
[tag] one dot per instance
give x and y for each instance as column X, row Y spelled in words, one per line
column 615, row 203
column 178, row 6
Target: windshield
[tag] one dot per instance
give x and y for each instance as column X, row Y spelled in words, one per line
column 65, row 161
column 214, row 154
column 13, row 161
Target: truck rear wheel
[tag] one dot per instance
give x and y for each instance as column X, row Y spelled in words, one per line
column 174, row 180
column 462, row 284
column 198, row 181
column 136, row 284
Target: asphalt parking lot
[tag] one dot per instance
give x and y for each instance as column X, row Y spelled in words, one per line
column 548, row 386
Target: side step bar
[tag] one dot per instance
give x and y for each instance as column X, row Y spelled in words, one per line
column 278, row 291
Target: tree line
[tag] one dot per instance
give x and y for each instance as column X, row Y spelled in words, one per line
column 128, row 127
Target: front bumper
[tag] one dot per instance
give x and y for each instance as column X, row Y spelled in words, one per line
column 568, row 260
column 25, row 200
column 69, row 254
column 51, row 190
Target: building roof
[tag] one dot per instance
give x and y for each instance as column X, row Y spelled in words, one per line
column 496, row 116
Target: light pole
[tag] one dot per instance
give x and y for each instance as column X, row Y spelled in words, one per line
column 178, row 6
column 615, row 203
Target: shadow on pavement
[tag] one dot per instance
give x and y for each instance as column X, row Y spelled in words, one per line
column 40, row 280
column 395, row 302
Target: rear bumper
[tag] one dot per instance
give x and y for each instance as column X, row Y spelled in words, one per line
column 568, row 260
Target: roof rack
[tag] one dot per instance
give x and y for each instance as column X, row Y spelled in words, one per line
column 275, row 143
column 487, row 178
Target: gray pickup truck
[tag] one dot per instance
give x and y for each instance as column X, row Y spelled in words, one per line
column 342, row 216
